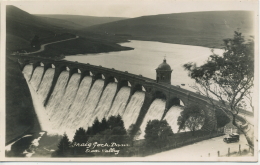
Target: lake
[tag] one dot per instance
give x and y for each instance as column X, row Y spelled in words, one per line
column 147, row 56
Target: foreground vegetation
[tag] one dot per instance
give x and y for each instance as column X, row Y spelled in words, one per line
column 109, row 138
column 229, row 79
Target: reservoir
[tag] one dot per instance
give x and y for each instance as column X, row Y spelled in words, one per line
column 146, row 57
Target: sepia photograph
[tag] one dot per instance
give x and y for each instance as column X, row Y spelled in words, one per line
column 129, row 80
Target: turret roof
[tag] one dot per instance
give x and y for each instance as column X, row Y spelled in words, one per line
column 164, row 66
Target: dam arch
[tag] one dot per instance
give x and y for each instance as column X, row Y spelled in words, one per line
column 137, row 87
column 125, row 82
column 160, row 95
column 175, row 101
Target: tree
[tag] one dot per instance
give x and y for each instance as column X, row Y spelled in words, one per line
column 226, row 80
column 157, row 132
column 79, row 138
column 89, row 132
column 96, row 126
column 115, row 121
column 118, row 132
column 110, row 131
column 35, row 43
column 63, row 147
column 103, row 125
column 192, row 117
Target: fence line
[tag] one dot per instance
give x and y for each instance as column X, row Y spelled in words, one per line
column 231, row 151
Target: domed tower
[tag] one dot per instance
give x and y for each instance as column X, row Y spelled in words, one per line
column 163, row 73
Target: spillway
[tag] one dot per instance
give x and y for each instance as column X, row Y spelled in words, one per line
column 76, row 114
column 27, row 71
column 105, row 102
column 120, row 102
column 37, row 77
column 45, row 84
column 133, row 108
column 172, row 117
column 57, row 94
column 74, row 104
column 155, row 111
column 91, row 103
column 58, row 118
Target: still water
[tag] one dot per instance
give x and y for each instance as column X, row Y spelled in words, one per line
column 146, row 57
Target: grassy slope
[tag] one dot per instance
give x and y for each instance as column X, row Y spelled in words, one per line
column 22, row 27
column 79, row 46
column 83, row 21
column 199, row 28
column 66, row 24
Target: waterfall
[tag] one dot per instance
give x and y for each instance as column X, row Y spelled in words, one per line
column 27, row 71
column 72, row 105
column 46, row 84
column 91, row 103
column 105, row 101
column 76, row 112
column 172, row 117
column 58, row 118
column 154, row 112
column 120, row 102
column 57, row 94
column 133, row 108
column 37, row 77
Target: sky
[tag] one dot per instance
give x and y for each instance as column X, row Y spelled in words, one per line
column 131, row 8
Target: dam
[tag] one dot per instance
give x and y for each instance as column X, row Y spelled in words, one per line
column 75, row 94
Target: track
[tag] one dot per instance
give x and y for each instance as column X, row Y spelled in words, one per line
column 44, row 45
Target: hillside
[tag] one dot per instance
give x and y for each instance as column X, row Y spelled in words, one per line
column 82, row 21
column 196, row 28
column 20, row 115
column 21, row 27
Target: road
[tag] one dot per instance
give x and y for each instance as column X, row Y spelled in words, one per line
column 203, row 149
column 43, row 46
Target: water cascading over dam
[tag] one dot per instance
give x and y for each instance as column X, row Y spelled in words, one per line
column 57, row 94
column 120, row 102
column 45, row 84
column 37, row 77
column 154, row 112
column 66, row 102
column 76, row 103
column 91, row 103
column 172, row 117
column 76, row 114
column 133, row 108
column 105, row 102
column 27, row 71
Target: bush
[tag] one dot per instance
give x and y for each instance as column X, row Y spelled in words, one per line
column 157, row 133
